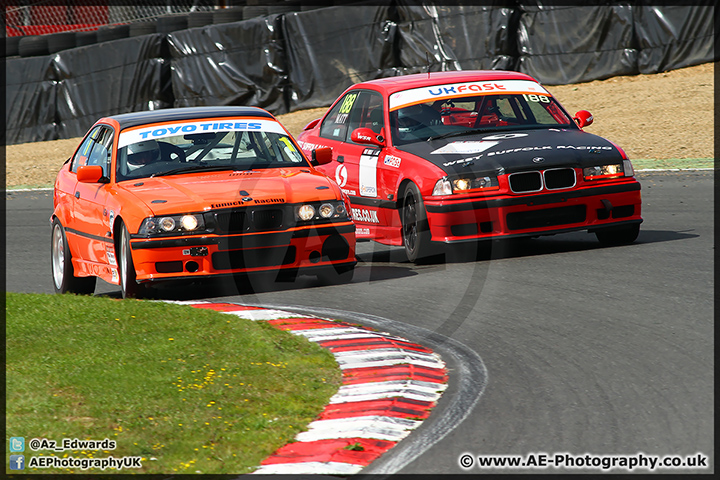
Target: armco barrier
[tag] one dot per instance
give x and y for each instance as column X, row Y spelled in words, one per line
column 286, row 62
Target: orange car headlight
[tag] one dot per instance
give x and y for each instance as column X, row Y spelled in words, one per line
column 172, row 225
column 330, row 210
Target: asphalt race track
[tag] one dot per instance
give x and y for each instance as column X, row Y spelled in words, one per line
column 575, row 348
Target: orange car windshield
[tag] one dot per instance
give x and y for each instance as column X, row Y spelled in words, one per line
column 206, row 151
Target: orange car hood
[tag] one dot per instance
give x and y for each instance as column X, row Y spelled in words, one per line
column 204, row 191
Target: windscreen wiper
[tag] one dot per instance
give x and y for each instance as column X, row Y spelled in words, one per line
column 463, row 132
column 194, row 168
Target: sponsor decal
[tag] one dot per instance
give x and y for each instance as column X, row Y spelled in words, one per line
column 505, row 136
column 462, row 160
column 341, row 175
column 519, row 149
column 463, row 89
column 465, row 147
column 349, row 192
column 111, row 217
column 368, row 172
column 367, row 191
column 584, row 147
column 365, row 215
column 362, row 231
column 114, row 273
column 139, row 134
column 392, row 161
column 111, row 257
column 269, row 200
column 234, row 203
column 308, row 147
column 345, row 107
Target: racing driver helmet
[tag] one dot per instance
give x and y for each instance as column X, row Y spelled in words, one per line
column 416, row 117
column 142, row 153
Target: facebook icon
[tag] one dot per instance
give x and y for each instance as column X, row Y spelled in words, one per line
column 17, row 462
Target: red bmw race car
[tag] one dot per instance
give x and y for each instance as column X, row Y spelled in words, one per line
column 450, row 157
column 188, row 193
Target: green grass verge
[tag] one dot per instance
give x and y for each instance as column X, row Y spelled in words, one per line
column 189, row 390
column 674, row 163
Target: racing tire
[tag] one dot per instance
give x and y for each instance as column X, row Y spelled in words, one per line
column 85, row 38
column 128, row 284
column 142, row 28
column 57, row 42
column 63, row 274
column 11, row 46
column 199, row 19
column 336, row 275
column 618, row 236
column 415, row 228
column 33, row 46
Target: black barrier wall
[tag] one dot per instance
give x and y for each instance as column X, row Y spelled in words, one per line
column 444, row 37
column 330, row 49
column 239, row 63
column 108, row 78
column 296, row 60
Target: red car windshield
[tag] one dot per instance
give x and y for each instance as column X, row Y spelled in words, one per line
column 456, row 116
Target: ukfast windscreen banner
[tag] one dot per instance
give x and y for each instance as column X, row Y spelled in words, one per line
column 163, row 130
column 463, row 89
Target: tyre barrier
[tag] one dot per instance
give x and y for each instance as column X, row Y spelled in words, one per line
column 389, row 386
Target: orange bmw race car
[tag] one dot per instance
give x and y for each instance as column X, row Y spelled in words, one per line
column 194, row 192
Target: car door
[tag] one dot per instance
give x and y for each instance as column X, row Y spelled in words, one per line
column 91, row 219
column 355, row 166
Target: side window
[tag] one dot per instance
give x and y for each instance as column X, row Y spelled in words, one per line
column 335, row 125
column 101, row 151
column 367, row 112
column 83, row 153
column 95, row 150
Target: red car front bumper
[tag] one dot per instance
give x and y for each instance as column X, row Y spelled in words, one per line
column 587, row 207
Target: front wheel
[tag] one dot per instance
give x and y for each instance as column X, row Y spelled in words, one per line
column 128, row 284
column 618, row 236
column 415, row 229
column 63, row 273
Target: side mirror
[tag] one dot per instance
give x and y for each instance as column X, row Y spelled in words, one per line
column 583, row 118
column 366, row 135
column 321, row 156
column 312, row 124
column 90, row 174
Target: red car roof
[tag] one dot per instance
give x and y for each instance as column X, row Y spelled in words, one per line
column 391, row 85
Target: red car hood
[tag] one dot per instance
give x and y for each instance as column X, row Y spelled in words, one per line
column 205, row 191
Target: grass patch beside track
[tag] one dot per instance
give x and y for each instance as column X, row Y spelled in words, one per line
column 672, row 164
column 189, row 390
